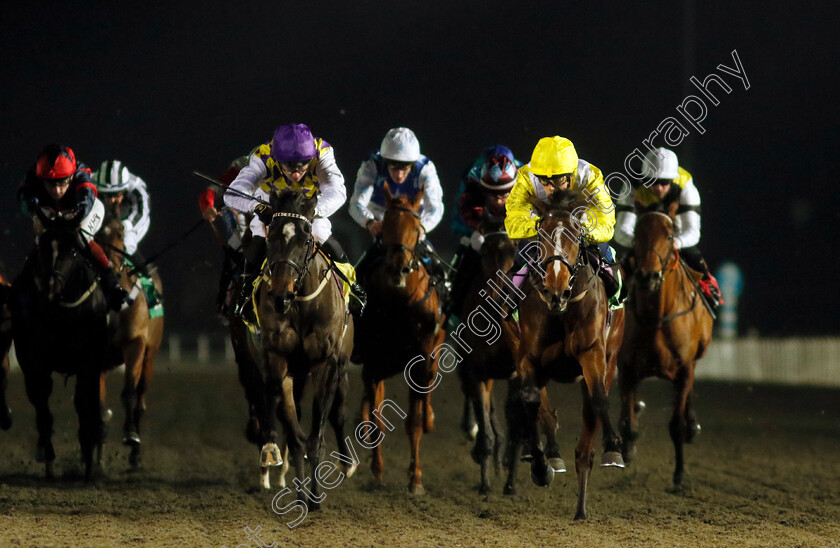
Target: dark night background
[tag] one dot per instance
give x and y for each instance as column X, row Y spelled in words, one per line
column 172, row 87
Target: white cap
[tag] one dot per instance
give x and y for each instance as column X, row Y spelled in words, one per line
column 400, row 144
column 660, row 164
column 112, row 177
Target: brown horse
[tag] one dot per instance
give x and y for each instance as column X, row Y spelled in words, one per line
column 493, row 360
column 401, row 326
column 136, row 339
column 306, row 333
column 5, row 345
column 568, row 333
column 668, row 330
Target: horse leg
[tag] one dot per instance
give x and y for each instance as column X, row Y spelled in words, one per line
column 585, row 452
column 107, row 414
column 514, row 419
column 597, row 385
column 133, row 354
column 678, row 426
column 39, row 386
column 325, row 381
column 469, row 426
column 337, row 420
column 541, row 473
column 295, row 437
column 482, row 451
column 414, row 429
column 5, row 412
column 628, row 422
column 140, row 407
column 377, row 396
column 693, row 427
column 91, row 426
column 549, row 425
column 499, row 444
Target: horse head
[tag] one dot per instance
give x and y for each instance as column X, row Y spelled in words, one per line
column 497, row 251
column 290, row 245
column 112, row 238
column 655, row 250
column 60, row 269
column 559, row 236
column 401, row 234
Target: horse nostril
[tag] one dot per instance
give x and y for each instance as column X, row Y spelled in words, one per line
column 405, row 270
column 566, row 294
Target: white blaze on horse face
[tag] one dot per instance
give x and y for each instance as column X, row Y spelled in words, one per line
column 288, row 231
column 558, row 250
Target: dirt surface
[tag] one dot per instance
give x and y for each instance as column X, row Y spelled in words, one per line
column 764, row 472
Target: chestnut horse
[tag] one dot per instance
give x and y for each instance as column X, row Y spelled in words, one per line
column 568, row 333
column 402, row 324
column 493, row 360
column 5, row 344
column 306, row 332
column 668, row 330
column 136, row 339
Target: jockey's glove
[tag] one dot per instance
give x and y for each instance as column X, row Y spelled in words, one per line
column 265, row 213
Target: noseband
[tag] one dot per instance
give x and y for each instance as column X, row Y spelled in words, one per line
column 413, row 261
column 659, row 275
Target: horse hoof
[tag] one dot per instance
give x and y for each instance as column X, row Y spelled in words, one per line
column 543, row 479
column 580, row 516
column 639, row 408
column 484, row 489
column 557, row 464
column 509, row 490
column 107, row 415
column 612, row 459
column 132, row 439
column 416, row 489
column 6, row 420
column 348, row 469
column 270, row 455
column 134, row 459
column 471, row 433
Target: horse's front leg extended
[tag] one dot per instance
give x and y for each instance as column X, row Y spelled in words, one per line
column 89, row 410
column 5, row 412
column 628, row 423
column 594, row 365
column 337, row 421
column 549, row 426
column 39, row 386
column 133, row 353
column 541, row 473
column 678, row 427
column 482, row 451
column 325, row 380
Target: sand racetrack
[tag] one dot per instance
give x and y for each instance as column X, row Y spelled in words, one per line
column 765, row 471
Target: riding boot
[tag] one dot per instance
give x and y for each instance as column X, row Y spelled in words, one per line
column 115, row 295
column 708, row 284
column 605, row 269
column 254, row 256
column 336, row 253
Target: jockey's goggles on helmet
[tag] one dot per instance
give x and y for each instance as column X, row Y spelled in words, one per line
column 660, row 182
column 58, row 182
column 296, row 167
column 557, row 181
column 400, row 166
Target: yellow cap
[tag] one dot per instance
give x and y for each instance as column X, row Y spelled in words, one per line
column 554, row 156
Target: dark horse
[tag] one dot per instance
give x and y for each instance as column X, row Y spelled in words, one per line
column 668, row 330
column 401, row 326
column 307, row 332
column 492, row 360
column 5, row 344
column 136, row 338
column 568, row 333
column 59, row 325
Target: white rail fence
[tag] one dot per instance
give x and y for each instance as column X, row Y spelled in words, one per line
column 794, row 361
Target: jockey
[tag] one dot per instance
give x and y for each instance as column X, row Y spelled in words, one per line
column 236, row 226
column 483, row 192
column 59, row 182
column 399, row 163
column 669, row 187
column 296, row 160
column 121, row 189
column 555, row 166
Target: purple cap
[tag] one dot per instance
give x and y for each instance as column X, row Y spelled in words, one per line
column 293, row 143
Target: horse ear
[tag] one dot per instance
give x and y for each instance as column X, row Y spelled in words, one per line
column 537, row 204
column 387, row 191
column 418, row 199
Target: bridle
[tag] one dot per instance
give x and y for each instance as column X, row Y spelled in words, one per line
column 659, row 275
column 301, row 271
column 573, row 268
column 413, row 260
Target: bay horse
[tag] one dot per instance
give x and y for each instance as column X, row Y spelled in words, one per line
column 306, row 333
column 489, row 361
column 668, row 330
column 59, row 324
column 5, row 345
column 136, row 336
column 568, row 334
column 402, row 324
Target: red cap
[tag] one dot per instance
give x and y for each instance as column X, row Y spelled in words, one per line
column 55, row 162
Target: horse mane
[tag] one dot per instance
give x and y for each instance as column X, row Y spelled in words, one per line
column 294, row 201
column 566, row 201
